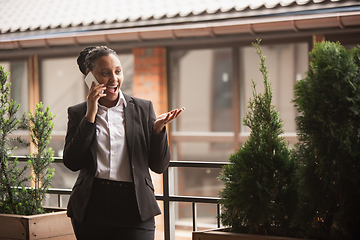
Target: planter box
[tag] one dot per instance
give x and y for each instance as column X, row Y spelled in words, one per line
column 223, row 234
column 55, row 226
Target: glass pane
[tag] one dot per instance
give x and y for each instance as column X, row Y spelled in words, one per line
column 183, row 221
column 19, row 85
column 62, row 85
column 201, row 82
column 159, row 223
column 286, row 63
column 127, row 63
column 202, row 151
column 19, row 90
column 199, row 182
column 206, row 219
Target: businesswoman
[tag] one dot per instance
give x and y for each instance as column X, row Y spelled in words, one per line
column 114, row 139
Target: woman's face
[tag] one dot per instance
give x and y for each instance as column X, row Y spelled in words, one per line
column 107, row 70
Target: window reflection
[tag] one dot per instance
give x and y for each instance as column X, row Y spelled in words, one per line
column 202, row 84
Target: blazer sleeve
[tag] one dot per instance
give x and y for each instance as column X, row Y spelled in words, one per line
column 159, row 153
column 80, row 133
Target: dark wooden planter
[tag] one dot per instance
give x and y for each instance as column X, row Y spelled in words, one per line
column 223, row 234
column 54, row 225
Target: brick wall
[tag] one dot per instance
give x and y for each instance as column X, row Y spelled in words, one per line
column 149, row 82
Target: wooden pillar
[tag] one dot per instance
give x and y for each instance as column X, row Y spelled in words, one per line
column 318, row 38
column 34, row 89
column 34, row 94
column 236, row 97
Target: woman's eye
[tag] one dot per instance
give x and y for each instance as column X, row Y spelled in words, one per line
column 105, row 73
column 118, row 71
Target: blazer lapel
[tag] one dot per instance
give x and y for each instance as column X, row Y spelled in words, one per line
column 129, row 115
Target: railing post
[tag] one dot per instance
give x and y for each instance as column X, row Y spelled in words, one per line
column 59, row 200
column 166, row 205
column 194, row 213
column 218, row 215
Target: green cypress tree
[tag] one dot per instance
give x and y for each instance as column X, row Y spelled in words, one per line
column 259, row 195
column 12, row 180
column 328, row 101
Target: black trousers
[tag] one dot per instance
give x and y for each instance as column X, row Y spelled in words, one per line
column 113, row 214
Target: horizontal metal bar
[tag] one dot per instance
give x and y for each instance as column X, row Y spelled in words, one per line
column 173, row 198
column 61, row 191
column 158, row 197
column 25, row 159
column 197, row 164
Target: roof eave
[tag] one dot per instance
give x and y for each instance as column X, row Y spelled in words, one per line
column 254, row 26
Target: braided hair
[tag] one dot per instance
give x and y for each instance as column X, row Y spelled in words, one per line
column 81, row 58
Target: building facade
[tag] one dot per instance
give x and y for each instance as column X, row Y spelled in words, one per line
column 196, row 55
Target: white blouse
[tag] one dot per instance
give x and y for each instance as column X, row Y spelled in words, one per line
column 112, row 156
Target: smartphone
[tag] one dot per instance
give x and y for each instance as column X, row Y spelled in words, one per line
column 89, row 79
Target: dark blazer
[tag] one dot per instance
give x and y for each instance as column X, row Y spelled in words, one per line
column 146, row 149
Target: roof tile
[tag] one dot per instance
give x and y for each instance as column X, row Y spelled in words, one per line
column 24, row 15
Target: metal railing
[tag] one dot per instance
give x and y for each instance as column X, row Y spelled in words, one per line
column 166, row 197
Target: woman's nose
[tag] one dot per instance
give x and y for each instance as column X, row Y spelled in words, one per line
column 113, row 76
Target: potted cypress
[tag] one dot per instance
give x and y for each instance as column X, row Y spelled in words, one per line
column 22, row 215
column 259, row 196
column 328, row 101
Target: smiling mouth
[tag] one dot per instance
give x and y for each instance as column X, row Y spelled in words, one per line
column 112, row 89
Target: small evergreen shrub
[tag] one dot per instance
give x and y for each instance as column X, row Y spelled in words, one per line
column 328, row 125
column 16, row 197
column 41, row 126
column 259, row 195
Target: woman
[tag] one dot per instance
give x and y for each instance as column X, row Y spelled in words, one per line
column 113, row 139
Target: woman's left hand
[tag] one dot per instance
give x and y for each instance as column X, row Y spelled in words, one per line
column 166, row 118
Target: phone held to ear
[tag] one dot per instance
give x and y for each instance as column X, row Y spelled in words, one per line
column 89, row 79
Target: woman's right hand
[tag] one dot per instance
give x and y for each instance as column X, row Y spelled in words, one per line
column 95, row 93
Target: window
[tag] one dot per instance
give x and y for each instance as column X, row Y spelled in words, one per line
column 201, row 82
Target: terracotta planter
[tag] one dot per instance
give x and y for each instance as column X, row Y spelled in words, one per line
column 222, row 234
column 55, row 225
